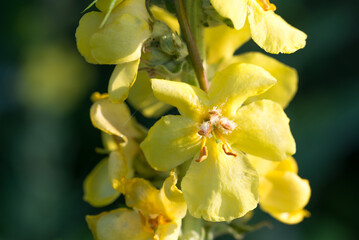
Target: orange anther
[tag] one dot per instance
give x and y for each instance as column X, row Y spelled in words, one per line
column 267, row 6
column 227, row 151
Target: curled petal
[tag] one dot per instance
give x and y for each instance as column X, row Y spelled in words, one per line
column 170, row 142
column 263, row 130
column 237, row 82
column 97, row 186
column 189, row 100
column 272, row 33
column 220, row 188
column 114, row 119
column 235, row 10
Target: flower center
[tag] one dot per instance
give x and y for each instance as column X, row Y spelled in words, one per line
column 215, row 125
column 266, row 5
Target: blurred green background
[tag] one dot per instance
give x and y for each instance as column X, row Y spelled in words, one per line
column 47, row 141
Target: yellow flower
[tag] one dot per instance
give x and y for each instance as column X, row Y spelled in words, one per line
column 121, row 37
column 266, row 28
column 106, row 181
column 282, row 193
column 156, row 214
column 215, row 129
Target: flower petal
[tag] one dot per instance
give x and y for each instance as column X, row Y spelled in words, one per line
column 122, row 79
column 287, row 78
column 291, row 217
column 120, row 39
column 88, row 25
column 283, row 192
column 164, row 16
column 172, row 198
column 272, row 33
column 220, row 188
column 170, row 142
column 119, row 224
column 114, row 119
column 189, row 100
column 222, row 42
column 141, row 97
column 103, row 5
column 120, row 166
column 97, row 186
column 168, row 231
column 234, row 84
column 235, row 10
column 263, row 130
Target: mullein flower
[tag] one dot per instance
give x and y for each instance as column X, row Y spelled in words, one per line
column 282, row 193
column 120, row 38
column 215, row 130
column 266, row 28
column 120, row 133
column 156, row 214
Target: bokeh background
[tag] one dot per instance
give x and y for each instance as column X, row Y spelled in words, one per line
column 47, row 141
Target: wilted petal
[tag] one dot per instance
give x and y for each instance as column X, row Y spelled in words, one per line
column 234, row 84
column 170, row 142
column 272, row 33
column 263, row 130
column 220, row 188
column 97, row 186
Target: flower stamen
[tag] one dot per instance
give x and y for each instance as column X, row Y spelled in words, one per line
column 267, row 6
column 226, row 148
column 204, row 152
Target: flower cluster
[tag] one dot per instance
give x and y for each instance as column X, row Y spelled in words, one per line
column 230, row 147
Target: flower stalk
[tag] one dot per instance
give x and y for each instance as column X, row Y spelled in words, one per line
column 193, row 39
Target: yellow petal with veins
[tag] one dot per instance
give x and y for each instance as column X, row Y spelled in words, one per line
column 237, row 82
column 222, row 187
column 263, row 131
column 287, row 78
column 170, row 142
column 272, row 33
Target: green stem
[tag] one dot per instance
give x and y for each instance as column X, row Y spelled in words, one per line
column 194, row 9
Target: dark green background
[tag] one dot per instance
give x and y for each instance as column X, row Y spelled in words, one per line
column 47, row 141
